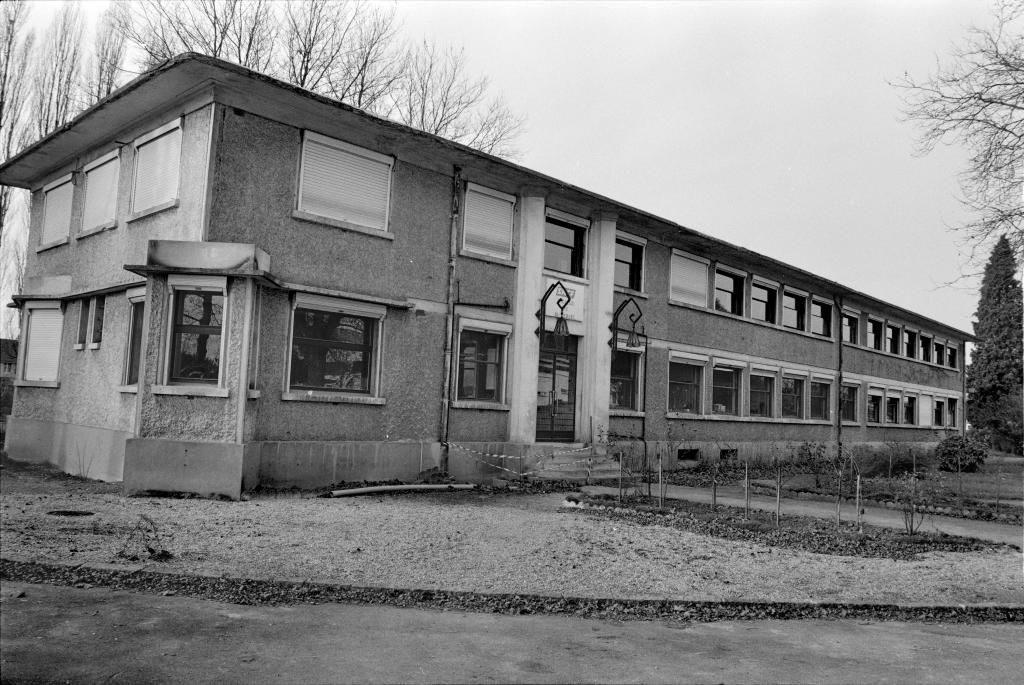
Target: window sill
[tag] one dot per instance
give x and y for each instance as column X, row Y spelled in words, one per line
column 102, row 228
column 79, row 346
column 632, row 293
column 191, row 390
column 480, row 256
column 330, row 397
column 128, row 389
column 568, row 278
column 343, row 225
column 37, row 384
column 253, row 394
column 94, row 346
column 155, row 209
column 486, row 406
column 626, row 413
column 50, row 246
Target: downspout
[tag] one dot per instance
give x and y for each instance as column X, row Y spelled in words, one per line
column 243, row 362
column 837, row 302
column 453, row 244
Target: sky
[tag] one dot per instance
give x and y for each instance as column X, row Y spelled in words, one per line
column 771, row 125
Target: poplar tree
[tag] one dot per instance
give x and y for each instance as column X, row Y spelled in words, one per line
column 995, row 375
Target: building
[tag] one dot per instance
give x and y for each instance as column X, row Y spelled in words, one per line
column 233, row 281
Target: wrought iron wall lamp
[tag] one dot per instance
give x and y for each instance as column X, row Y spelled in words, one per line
column 561, row 329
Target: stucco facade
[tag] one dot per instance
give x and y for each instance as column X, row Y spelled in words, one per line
column 232, row 394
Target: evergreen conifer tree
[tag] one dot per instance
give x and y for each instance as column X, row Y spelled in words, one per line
column 995, row 376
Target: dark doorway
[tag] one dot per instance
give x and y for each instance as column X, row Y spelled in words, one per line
column 556, row 389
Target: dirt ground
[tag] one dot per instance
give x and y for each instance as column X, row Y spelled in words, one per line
column 477, row 541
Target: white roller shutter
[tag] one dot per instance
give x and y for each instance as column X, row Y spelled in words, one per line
column 488, row 224
column 343, row 182
column 689, row 280
column 42, row 344
column 57, row 213
column 157, row 163
column 100, row 195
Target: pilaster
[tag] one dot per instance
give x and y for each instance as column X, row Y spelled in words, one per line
column 595, row 355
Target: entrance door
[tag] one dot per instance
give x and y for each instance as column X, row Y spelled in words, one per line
column 556, row 389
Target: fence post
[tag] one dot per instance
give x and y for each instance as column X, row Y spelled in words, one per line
column 778, row 495
column 860, row 520
column 746, row 489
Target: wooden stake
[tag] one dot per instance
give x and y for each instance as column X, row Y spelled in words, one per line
column 746, row 490
column 839, row 498
column 778, row 496
column 714, row 493
column 860, row 520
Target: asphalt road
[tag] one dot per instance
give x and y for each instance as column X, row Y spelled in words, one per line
column 90, row 635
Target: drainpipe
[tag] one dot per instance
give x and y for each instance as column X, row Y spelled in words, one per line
column 243, row 380
column 453, row 244
column 837, row 302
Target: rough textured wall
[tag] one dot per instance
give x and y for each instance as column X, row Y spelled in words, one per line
column 871, row 363
column 485, row 282
column 475, row 425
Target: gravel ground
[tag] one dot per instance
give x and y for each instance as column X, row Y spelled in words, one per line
column 470, row 541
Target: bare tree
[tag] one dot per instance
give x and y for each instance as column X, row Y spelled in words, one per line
column 372, row 65
column 977, row 100
column 56, row 73
column 14, row 59
column 315, row 36
column 107, row 59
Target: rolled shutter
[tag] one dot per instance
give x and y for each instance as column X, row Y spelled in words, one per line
column 689, row 281
column 57, row 214
column 157, row 163
column 488, row 225
column 42, row 351
column 341, row 184
column 100, row 195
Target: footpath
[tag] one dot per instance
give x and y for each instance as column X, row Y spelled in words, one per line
column 732, row 496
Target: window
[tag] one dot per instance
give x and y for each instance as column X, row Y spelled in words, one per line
column 940, row 353
column 563, row 246
column 157, row 162
column 43, row 328
column 951, row 357
column 951, row 412
column 689, row 280
column 892, row 339
column 910, row 410
column 197, row 319
column 762, row 389
column 136, row 317
column 874, row 334
column 762, row 302
column 926, row 348
column 629, row 264
column 625, row 380
column 892, row 409
column 729, row 292
column 792, row 398
column 83, row 323
column 820, row 394
column 793, row 311
column 725, row 390
column 56, row 212
column 939, row 413
column 848, row 402
column 821, row 319
column 344, row 182
column 481, row 360
column 910, row 344
column 684, row 387
column 98, row 305
column 90, row 323
column 488, row 223
column 332, row 351
column 874, row 408
column 100, row 193
column 851, row 324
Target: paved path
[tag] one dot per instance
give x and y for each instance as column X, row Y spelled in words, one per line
column 91, row 635
column 732, row 496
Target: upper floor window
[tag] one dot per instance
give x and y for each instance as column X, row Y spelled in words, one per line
column 56, row 212
column 44, row 326
column 345, row 183
column 488, row 222
column 794, row 310
column 629, row 264
column 926, row 348
column 892, row 339
column 157, row 166
column 821, row 319
column 910, row 344
column 762, row 302
column 625, row 380
column 940, row 353
column 689, row 279
column 684, row 387
column 100, row 193
column 851, row 324
column 563, row 245
column 729, row 292
column 481, row 365
column 951, row 357
column 875, row 336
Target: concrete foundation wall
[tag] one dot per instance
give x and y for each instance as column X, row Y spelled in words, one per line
column 79, row 450
column 210, row 469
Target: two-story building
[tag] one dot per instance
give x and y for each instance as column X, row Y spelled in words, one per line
column 233, row 281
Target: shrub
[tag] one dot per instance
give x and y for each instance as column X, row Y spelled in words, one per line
column 961, row 453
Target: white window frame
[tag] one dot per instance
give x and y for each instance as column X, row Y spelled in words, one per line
column 112, row 157
column 763, row 372
column 881, row 347
column 61, row 239
column 741, row 296
column 813, row 300
column 707, row 272
column 504, row 330
column 853, row 314
column 639, row 381
column 140, row 142
column 806, row 297
column 348, row 148
column 498, row 195
column 133, row 296
column 769, row 285
column 337, row 305
column 217, row 284
column 29, row 307
column 689, row 359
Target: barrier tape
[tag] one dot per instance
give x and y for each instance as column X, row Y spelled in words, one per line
column 557, row 467
column 511, row 456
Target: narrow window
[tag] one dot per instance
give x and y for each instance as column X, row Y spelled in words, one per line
column 725, row 390
column 332, row 351
column 939, row 413
column 684, row 387
column 951, row 412
column 892, row 339
column 157, row 162
column 729, row 293
column 793, row 311
column 848, row 402
column 343, row 182
column 892, row 409
column 136, row 314
column 624, row 380
column 99, row 304
column 196, row 335
column 820, row 393
column 821, row 319
column 480, row 366
column 874, row 334
column 762, row 302
column 56, row 213
column 629, row 263
column 100, row 194
column 83, row 323
column 488, row 223
column 926, row 348
column 792, row 398
column 762, row 389
column 874, row 408
column 940, row 354
column 951, row 357
column 43, row 331
column 910, row 410
column 689, row 280
column 851, row 324
column 563, row 247
column 910, row 344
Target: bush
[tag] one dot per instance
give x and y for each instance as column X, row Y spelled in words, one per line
column 963, row 453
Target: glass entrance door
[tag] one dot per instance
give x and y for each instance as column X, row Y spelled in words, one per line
column 556, row 389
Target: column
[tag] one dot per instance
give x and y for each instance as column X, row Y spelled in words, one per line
column 595, row 356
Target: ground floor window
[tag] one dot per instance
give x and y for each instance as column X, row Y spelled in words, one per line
column 848, row 402
column 762, row 390
column 684, row 387
column 625, row 381
column 331, row 351
column 725, row 391
column 820, row 393
column 44, row 325
column 910, row 410
column 197, row 320
column 892, row 409
column 939, row 413
column 874, row 408
column 951, row 409
column 481, row 356
column 136, row 316
column 792, row 398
